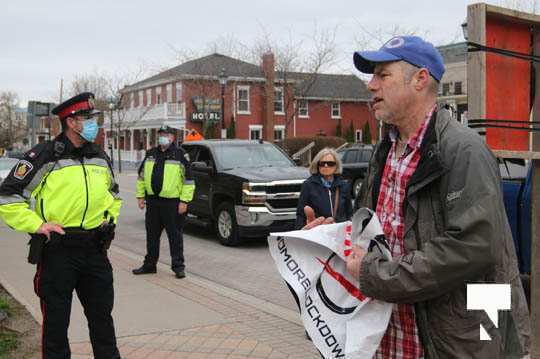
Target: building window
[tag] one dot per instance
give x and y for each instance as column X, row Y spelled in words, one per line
column 178, row 92
column 445, row 89
column 243, row 99
column 148, row 97
column 278, row 100
column 336, row 110
column 279, row 132
column 255, row 132
column 158, row 95
column 457, row 88
column 169, row 93
column 303, row 110
column 358, row 135
column 141, row 96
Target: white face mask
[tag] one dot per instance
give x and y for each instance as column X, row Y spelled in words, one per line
column 164, row 140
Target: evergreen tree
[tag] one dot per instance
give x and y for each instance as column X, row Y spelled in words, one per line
column 231, row 131
column 350, row 133
column 366, row 134
column 338, row 128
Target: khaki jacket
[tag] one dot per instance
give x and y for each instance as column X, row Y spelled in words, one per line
column 456, row 232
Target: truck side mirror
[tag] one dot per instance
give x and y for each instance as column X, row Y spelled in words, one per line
column 297, row 161
column 202, row 167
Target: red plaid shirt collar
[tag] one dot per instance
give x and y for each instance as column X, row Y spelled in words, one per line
column 416, row 140
column 401, row 339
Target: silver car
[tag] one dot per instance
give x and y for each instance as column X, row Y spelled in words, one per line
column 6, row 164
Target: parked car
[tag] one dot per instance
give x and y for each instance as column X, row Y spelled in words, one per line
column 243, row 188
column 6, row 164
column 355, row 163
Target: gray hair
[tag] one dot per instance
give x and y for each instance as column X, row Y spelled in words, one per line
column 314, row 166
column 410, row 70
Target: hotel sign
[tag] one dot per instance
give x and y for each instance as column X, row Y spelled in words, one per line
column 205, row 116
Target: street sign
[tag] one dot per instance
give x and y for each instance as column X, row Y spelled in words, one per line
column 40, row 109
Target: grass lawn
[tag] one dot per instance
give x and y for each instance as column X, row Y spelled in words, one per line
column 8, row 339
column 19, row 332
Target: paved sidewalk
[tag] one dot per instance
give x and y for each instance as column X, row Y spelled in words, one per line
column 159, row 316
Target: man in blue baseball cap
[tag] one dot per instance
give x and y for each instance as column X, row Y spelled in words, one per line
column 435, row 187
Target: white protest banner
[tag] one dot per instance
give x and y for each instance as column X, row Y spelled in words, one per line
column 340, row 320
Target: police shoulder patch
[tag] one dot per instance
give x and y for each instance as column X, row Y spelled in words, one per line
column 22, row 169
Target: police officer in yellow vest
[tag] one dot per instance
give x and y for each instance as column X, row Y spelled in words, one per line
column 74, row 206
column 166, row 186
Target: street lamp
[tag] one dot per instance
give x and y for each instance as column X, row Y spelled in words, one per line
column 223, row 81
column 112, row 106
column 465, row 30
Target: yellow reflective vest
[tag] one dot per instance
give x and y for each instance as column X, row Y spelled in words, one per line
column 167, row 172
column 57, row 182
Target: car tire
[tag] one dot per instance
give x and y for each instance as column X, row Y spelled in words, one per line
column 225, row 225
column 357, row 186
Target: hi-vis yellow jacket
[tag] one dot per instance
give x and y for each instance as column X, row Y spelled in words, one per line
column 166, row 174
column 59, row 183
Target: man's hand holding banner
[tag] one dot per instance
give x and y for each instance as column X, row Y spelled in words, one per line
column 340, row 320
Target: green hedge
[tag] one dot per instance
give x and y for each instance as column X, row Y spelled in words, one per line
column 293, row 145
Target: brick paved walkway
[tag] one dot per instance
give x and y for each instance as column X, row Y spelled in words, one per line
column 247, row 331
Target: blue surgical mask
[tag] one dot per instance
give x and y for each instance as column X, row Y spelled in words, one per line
column 90, row 130
column 163, row 140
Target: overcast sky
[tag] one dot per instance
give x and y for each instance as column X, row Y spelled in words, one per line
column 44, row 41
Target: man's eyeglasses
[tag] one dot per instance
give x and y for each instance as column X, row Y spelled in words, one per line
column 327, row 163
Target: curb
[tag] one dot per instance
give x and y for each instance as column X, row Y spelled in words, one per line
column 20, row 298
column 260, row 304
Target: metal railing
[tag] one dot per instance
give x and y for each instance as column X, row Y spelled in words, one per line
column 304, row 154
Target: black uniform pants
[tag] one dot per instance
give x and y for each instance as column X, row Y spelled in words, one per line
column 163, row 213
column 87, row 270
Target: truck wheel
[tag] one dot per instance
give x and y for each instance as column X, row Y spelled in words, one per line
column 225, row 225
column 357, row 186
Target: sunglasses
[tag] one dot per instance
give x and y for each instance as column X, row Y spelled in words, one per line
column 327, row 163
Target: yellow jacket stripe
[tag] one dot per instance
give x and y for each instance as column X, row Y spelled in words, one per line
column 64, row 191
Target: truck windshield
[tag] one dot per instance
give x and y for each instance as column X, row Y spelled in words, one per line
column 256, row 155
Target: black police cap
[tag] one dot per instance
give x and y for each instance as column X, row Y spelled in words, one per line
column 82, row 104
column 167, row 129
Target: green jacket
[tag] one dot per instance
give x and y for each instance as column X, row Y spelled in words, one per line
column 455, row 232
column 59, row 183
column 170, row 170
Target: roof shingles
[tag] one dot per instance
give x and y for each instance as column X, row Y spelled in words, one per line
column 307, row 85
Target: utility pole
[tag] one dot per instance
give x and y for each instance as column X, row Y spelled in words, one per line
column 111, row 140
column 61, row 90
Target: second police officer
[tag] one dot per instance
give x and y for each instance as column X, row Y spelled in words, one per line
column 76, row 202
column 165, row 185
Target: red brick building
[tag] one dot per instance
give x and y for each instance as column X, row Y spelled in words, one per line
column 258, row 103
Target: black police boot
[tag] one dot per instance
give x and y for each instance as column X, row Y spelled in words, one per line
column 143, row 270
column 180, row 274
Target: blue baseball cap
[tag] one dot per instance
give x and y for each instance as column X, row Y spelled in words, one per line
column 411, row 49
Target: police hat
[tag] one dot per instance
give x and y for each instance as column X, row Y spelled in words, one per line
column 167, row 129
column 80, row 105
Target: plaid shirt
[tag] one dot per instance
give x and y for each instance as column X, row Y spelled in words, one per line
column 401, row 339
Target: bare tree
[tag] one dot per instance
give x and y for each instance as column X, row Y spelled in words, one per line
column 298, row 64
column 13, row 127
column 110, row 100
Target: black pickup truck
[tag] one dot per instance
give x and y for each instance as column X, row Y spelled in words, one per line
column 243, row 188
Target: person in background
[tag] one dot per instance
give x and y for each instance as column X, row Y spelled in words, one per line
column 326, row 193
column 166, row 186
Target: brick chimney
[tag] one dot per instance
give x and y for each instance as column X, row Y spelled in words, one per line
column 268, row 114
